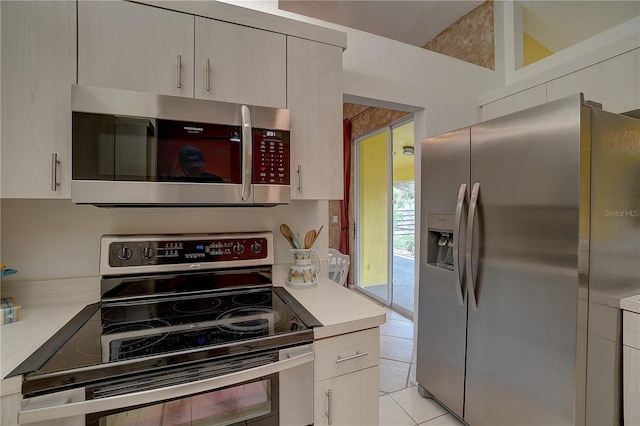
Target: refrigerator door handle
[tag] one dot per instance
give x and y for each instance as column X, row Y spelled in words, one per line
column 458, row 271
column 473, row 204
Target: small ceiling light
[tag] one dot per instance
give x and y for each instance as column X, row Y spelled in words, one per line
column 407, row 150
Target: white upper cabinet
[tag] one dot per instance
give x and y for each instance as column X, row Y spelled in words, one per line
column 314, row 96
column 240, row 64
column 124, row 45
column 615, row 83
column 38, row 69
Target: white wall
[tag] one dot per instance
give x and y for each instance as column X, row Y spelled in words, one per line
column 384, row 72
column 604, row 47
column 54, row 239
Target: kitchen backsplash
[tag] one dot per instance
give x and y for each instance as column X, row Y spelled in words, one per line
column 54, row 239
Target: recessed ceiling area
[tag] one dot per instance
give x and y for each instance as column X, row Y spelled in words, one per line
column 546, row 27
column 560, row 24
column 412, row 22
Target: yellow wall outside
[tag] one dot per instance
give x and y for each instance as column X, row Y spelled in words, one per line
column 374, row 202
column 403, row 169
column 532, row 50
column 374, row 217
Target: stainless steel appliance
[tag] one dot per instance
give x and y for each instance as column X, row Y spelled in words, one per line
column 521, row 324
column 189, row 330
column 142, row 149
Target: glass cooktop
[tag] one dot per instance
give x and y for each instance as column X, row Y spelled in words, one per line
column 170, row 319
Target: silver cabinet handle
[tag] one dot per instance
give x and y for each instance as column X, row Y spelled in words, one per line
column 328, row 413
column 54, row 171
column 207, row 82
column 299, row 179
column 357, row 355
column 64, row 410
column 475, row 193
column 458, row 271
column 247, row 152
column 179, row 71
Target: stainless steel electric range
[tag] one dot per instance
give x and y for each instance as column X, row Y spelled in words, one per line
column 189, row 330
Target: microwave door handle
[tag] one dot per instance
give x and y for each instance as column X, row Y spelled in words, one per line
column 247, row 152
column 64, row 410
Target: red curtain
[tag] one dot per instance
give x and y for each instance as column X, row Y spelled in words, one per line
column 344, row 203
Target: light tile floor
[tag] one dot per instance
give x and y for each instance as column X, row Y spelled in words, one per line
column 400, row 402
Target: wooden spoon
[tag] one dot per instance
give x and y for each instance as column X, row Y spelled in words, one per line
column 310, row 238
column 286, row 233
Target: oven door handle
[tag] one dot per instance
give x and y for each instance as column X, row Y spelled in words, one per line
column 63, row 410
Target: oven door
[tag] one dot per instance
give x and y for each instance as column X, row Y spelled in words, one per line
column 275, row 393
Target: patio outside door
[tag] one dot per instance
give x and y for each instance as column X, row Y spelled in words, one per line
column 385, row 216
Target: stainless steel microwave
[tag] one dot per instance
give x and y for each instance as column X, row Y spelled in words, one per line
column 142, row 149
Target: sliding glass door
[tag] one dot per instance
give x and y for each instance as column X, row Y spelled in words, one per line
column 385, row 226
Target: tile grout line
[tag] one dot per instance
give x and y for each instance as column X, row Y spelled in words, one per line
column 415, row 423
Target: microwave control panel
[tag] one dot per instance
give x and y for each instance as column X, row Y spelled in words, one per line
column 271, row 157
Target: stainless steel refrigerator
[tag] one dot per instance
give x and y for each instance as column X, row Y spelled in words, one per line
column 530, row 236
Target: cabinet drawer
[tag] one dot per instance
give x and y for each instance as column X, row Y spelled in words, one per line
column 631, row 329
column 346, row 353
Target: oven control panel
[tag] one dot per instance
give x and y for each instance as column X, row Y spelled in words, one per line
column 182, row 252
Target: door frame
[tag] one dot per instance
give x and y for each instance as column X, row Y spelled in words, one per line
column 389, row 295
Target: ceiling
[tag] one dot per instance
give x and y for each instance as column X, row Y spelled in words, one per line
column 556, row 24
column 413, row 22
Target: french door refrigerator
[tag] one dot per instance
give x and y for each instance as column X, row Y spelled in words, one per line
column 530, row 237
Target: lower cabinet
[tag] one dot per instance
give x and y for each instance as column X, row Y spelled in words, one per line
column 346, row 375
column 10, row 401
column 350, row 399
column 631, row 367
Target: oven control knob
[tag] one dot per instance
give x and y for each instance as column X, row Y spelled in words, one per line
column 238, row 248
column 256, row 248
column 125, row 253
column 147, row 252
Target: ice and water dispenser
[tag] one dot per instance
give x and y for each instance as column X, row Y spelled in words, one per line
column 440, row 237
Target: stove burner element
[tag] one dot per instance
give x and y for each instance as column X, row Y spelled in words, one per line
column 252, row 298
column 196, row 306
column 89, row 346
column 250, row 319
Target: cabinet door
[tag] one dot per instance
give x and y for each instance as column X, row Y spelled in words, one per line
column 351, row 399
column 240, row 64
column 614, row 83
column 314, row 97
column 124, row 45
column 38, row 69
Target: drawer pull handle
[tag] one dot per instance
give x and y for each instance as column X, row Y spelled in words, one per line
column 357, row 355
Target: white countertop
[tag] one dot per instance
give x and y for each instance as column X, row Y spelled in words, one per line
column 48, row 305
column 339, row 309
column 45, row 306
column 631, row 303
